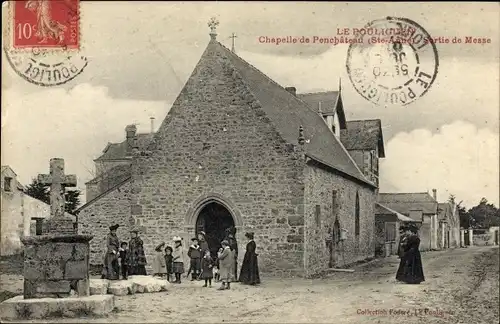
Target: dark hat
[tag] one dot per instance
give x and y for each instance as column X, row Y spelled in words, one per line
column 169, row 248
column 224, row 243
column 412, row 228
column 134, row 230
column 250, row 235
column 159, row 246
column 114, row 227
column 194, row 239
column 202, row 233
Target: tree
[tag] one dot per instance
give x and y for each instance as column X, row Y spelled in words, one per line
column 38, row 191
column 484, row 215
column 42, row 193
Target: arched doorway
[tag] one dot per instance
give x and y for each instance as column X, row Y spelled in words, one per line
column 214, row 219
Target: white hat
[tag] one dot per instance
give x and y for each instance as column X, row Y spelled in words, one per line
column 177, row 239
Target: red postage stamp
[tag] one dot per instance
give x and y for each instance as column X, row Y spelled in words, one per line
column 48, row 24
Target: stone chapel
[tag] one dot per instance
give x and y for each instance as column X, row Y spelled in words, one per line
column 237, row 149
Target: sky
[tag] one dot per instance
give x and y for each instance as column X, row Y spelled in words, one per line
column 141, row 53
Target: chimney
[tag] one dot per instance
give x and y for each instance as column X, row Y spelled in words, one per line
column 130, row 132
column 292, row 90
column 434, row 194
column 152, row 124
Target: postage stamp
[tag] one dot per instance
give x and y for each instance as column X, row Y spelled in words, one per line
column 42, row 44
column 46, row 24
column 395, row 63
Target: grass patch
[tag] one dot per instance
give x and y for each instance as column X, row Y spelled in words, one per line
column 12, row 264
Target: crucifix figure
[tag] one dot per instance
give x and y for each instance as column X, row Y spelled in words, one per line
column 57, row 181
column 232, row 43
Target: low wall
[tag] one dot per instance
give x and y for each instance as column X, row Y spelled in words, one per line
column 482, row 239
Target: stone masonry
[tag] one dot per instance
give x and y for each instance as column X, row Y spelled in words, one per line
column 217, row 144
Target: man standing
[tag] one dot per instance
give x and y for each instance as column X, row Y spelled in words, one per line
column 233, row 245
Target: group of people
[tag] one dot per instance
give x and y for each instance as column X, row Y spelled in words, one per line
column 410, row 266
column 122, row 257
column 129, row 259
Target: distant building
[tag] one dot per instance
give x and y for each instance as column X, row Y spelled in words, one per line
column 387, row 229
column 21, row 216
column 421, row 207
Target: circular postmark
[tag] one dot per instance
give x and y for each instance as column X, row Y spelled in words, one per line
column 46, row 68
column 395, row 63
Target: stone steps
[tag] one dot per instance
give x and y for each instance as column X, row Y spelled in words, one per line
column 134, row 284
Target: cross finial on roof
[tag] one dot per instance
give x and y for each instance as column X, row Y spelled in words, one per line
column 340, row 84
column 213, row 23
column 319, row 108
column 232, row 43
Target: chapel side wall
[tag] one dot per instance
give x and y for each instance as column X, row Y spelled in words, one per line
column 95, row 219
column 320, row 184
column 217, row 141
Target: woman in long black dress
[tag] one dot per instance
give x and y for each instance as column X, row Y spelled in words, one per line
column 137, row 257
column 250, row 268
column 410, row 268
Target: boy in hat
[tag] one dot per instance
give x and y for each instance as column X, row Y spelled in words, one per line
column 124, row 260
column 159, row 264
column 194, row 254
column 226, row 260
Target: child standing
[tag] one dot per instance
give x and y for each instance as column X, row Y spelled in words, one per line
column 207, row 264
column 226, row 261
column 159, row 265
column 122, row 254
column 168, row 261
column 178, row 259
column 194, row 254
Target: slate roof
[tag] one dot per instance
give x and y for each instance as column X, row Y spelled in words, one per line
column 405, row 202
column 287, row 113
column 114, row 172
column 363, row 135
column 331, row 102
column 384, row 210
column 118, row 151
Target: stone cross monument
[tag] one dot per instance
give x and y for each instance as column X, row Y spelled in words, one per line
column 57, row 262
column 57, row 181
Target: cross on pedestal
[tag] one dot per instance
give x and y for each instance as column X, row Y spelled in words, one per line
column 232, row 43
column 57, row 181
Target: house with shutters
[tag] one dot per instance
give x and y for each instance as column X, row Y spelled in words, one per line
column 237, row 149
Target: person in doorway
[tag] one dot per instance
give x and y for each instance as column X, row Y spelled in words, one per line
column 233, row 245
column 137, row 258
column 159, row 265
column 111, row 267
column 194, row 254
column 178, row 259
column 202, row 241
column 124, row 260
column 169, row 261
column 226, row 263
column 250, row 268
column 207, row 264
column 410, row 270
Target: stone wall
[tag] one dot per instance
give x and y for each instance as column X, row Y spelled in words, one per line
column 482, row 239
column 216, row 141
column 12, row 220
column 96, row 217
column 425, row 233
column 53, row 266
column 320, row 185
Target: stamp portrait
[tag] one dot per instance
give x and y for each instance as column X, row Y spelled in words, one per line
column 42, row 41
column 395, row 63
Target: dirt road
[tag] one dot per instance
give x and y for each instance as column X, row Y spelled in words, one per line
column 461, row 287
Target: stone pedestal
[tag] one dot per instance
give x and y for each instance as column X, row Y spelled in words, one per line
column 61, row 225
column 55, row 264
column 471, row 236
column 462, row 238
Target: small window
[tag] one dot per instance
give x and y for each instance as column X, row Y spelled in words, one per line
column 333, row 129
column 334, row 203
column 39, row 226
column 7, row 184
column 356, row 215
column 318, row 215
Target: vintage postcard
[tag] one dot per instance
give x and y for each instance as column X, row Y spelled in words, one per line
column 250, row 162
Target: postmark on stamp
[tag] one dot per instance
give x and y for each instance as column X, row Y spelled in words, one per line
column 42, row 44
column 395, row 64
column 46, row 24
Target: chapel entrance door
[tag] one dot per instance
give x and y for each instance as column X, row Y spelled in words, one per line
column 214, row 219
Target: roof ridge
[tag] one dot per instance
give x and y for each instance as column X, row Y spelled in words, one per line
column 318, row 92
column 361, row 120
column 401, row 193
